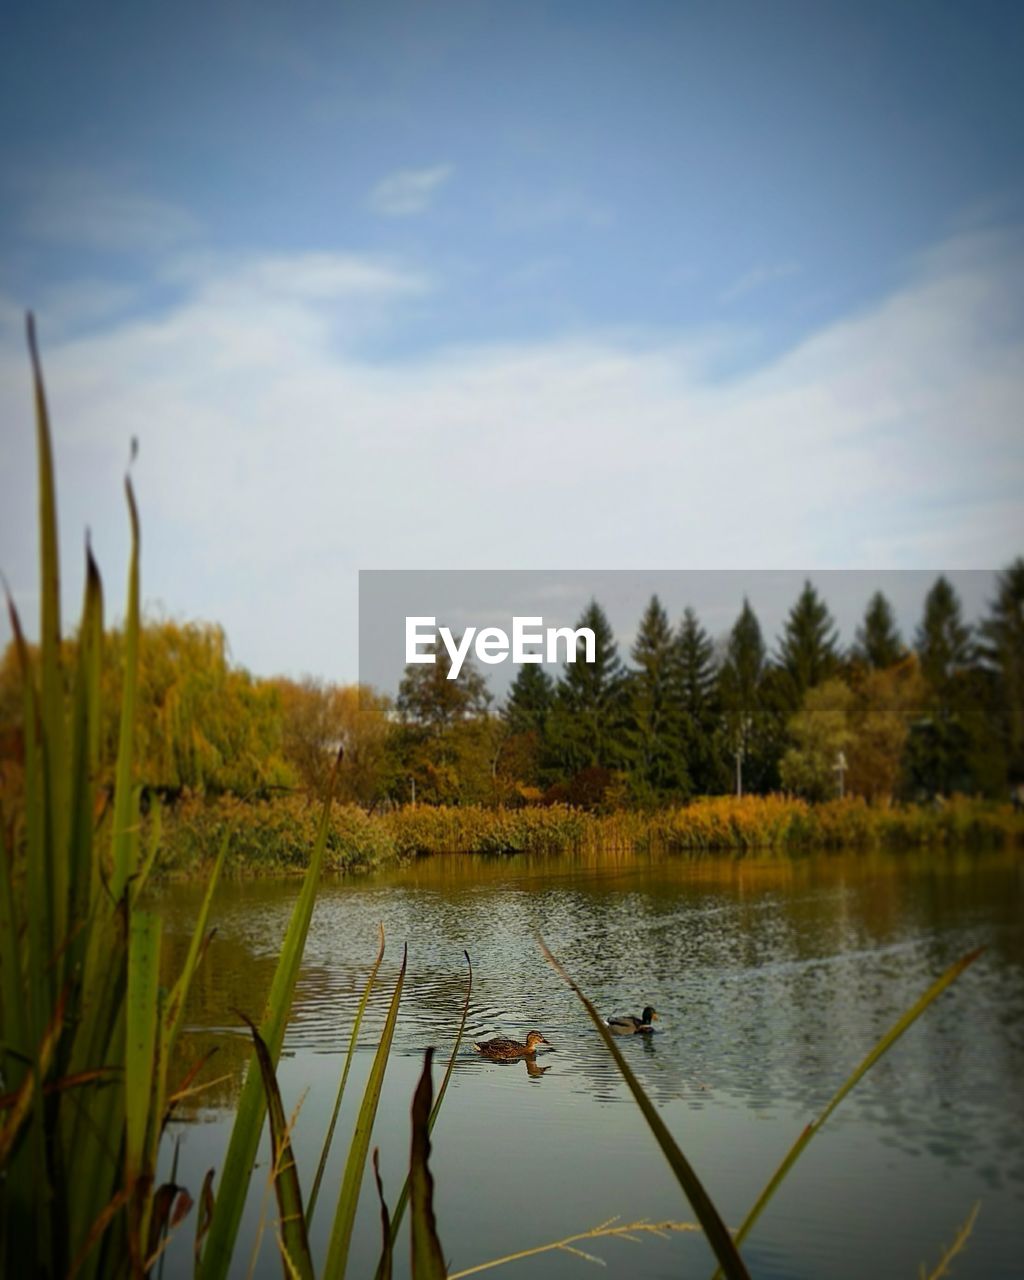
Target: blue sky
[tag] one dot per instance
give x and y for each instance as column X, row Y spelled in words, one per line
column 664, row 285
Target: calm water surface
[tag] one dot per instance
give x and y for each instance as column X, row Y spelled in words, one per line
column 772, row 979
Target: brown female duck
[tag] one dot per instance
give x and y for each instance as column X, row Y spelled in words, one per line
column 504, row 1049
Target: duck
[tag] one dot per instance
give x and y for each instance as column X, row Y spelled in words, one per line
column 628, row 1025
column 504, row 1049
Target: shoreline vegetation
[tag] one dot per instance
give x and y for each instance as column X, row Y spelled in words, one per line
column 273, row 837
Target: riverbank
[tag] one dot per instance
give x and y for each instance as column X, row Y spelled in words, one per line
column 274, row 837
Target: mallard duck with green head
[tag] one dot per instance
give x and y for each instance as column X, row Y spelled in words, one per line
column 628, row 1025
column 503, row 1049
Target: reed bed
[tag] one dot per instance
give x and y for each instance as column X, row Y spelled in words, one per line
column 274, row 836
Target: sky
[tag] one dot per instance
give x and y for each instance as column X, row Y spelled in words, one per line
column 478, row 286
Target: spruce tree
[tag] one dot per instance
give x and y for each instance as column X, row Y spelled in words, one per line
column 879, row 644
column 699, row 705
column 530, row 700
column 749, row 718
column 653, row 727
column 1002, row 650
column 945, row 738
column 943, row 639
column 808, row 653
column 586, row 721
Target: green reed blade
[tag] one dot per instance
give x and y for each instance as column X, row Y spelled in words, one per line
column 294, row 1234
column 204, row 1216
column 352, row 1180
column 125, row 825
column 427, row 1254
column 142, row 1028
column 85, row 737
column 403, row 1196
column 344, row 1078
column 245, row 1133
column 13, row 1020
column 29, row 1190
column 52, row 692
column 384, row 1267
column 714, row 1228
column 883, row 1045
column 152, row 850
column 175, row 1012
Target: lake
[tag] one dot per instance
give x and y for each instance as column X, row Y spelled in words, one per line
column 772, row 978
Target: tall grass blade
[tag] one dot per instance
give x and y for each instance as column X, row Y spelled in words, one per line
column 175, row 1009
column 427, row 1254
column 714, row 1228
column 344, row 1077
column 610, row 1230
column 294, row 1235
column 85, row 744
column 245, row 1134
column 942, row 1267
column 384, row 1267
column 142, row 1027
column 125, row 827
column 403, row 1197
column 887, row 1041
column 55, row 778
column 352, row 1180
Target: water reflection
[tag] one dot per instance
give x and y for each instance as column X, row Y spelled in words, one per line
column 772, row 978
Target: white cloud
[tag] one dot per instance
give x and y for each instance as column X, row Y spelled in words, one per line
column 78, row 207
column 409, row 191
column 275, row 461
column 758, row 278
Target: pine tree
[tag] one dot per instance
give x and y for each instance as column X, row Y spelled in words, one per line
column 943, row 747
column 808, row 653
column 749, row 718
column 879, row 644
column 1002, row 651
column 586, row 720
column 530, row 700
column 943, row 639
column 653, row 726
column 525, row 757
column 699, row 704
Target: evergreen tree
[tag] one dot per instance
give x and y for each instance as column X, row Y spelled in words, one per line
column 947, row 744
column 653, row 726
column 530, row 700
column 879, row 644
column 1002, row 651
column 749, row 718
column 525, row 757
column 943, row 639
column 808, row 653
column 586, row 721
column 699, row 705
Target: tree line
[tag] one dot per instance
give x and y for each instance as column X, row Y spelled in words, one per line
column 681, row 715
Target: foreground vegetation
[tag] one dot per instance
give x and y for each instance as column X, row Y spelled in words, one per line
column 275, row 835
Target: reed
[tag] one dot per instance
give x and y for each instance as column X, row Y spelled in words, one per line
column 86, row 1031
column 274, row 837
